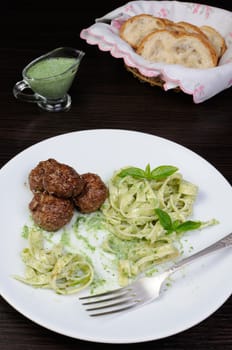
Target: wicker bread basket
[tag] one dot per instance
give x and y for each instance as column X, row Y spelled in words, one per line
column 153, row 81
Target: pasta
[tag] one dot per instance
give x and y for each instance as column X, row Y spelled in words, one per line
column 140, row 225
column 138, row 237
column 129, row 210
column 64, row 272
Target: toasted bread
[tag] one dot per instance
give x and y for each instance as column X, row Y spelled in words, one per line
column 215, row 38
column 162, row 40
column 188, row 49
column 137, row 27
column 190, row 28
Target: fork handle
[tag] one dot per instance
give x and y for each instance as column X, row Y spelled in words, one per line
column 222, row 243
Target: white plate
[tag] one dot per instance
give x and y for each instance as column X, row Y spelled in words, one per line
column 196, row 294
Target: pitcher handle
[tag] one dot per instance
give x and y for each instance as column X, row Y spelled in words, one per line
column 18, row 89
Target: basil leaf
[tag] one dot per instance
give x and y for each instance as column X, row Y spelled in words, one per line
column 135, row 172
column 175, row 224
column 162, row 172
column 164, row 219
column 148, row 171
column 168, row 232
column 188, row 226
column 158, row 173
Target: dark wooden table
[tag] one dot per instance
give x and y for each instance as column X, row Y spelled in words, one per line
column 104, row 95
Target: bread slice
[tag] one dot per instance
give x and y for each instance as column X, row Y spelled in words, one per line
column 215, row 38
column 190, row 28
column 187, row 49
column 137, row 27
column 174, row 27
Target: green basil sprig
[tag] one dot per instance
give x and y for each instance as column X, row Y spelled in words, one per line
column 175, row 226
column 159, row 173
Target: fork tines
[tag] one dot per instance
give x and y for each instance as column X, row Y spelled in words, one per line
column 110, row 302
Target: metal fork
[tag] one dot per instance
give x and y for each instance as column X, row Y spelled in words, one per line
column 143, row 290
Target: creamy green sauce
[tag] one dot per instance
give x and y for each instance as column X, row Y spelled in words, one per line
column 65, row 239
column 96, row 284
column 52, row 77
column 25, row 231
column 118, row 247
column 86, row 241
column 50, row 67
column 92, row 222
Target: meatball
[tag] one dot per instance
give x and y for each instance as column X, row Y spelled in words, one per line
column 36, row 178
column 56, row 178
column 49, row 212
column 93, row 195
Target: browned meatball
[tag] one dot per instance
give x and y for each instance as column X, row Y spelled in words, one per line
column 56, row 178
column 50, row 212
column 36, row 178
column 93, row 195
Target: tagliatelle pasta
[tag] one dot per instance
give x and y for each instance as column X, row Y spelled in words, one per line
column 129, row 210
column 64, row 272
column 137, row 237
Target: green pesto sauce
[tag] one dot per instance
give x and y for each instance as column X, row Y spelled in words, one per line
column 85, row 240
column 91, row 222
column 52, row 77
column 151, row 272
column 118, row 247
column 65, row 238
column 25, row 231
column 97, row 284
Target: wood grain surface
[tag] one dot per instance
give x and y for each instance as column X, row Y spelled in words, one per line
column 104, row 95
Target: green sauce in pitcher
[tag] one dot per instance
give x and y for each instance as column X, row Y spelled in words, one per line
column 52, row 77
